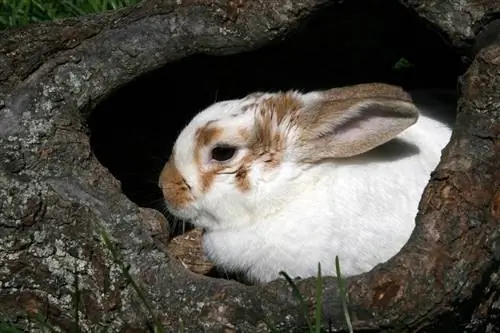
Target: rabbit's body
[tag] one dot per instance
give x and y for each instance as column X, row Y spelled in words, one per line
column 361, row 208
column 335, row 203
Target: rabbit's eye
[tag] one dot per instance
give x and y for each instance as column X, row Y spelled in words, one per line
column 223, row 153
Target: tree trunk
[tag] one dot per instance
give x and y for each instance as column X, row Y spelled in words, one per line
column 56, row 196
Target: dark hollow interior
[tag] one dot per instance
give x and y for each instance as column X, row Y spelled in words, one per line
column 133, row 130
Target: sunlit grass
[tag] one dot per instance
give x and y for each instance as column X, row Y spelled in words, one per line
column 20, row 12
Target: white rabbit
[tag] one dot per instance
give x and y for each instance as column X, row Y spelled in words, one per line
column 282, row 181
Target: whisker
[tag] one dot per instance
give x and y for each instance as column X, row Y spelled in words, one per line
column 162, row 159
column 146, row 185
column 138, row 174
column 216, row 95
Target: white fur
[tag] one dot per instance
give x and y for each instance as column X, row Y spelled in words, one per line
column 361, row 209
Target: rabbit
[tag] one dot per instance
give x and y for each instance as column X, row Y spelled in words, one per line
column 282, row 181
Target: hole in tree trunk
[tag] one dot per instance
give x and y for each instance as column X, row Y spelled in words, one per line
column 133, row 130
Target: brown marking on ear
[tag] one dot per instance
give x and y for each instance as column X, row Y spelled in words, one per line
column 367, row 91
column 269, row 136
column 337, row 104
column 175, row 189
column 338, row 100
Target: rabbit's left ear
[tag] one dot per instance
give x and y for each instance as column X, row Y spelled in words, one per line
column 349, row 121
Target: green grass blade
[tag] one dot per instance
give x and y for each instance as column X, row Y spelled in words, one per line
column 343, row 293
column 181, row 326
column 76, row 301
column 319, row 300
column 7, row 328
column 104, row 328
column 270, row 325
column 41, row 11
column 20, row 12
column 98, row 5
column 158, row 327
column 296, row 293
column 44, row 324
column 402, row 63
column 73, row 9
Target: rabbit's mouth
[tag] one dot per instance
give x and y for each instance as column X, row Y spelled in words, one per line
column 186, row 213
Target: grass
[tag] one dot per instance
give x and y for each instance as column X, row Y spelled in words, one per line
column 15, row 13
column 316, row 327
column 157, row 325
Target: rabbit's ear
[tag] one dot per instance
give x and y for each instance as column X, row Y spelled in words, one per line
column 349, row 121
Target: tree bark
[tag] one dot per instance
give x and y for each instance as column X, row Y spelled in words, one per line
column 459, row 22
column 55, row 196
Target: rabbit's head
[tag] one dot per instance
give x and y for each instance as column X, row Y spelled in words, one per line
column 236, row 154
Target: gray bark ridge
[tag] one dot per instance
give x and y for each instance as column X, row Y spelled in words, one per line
column 459, row 22
column 55, row 196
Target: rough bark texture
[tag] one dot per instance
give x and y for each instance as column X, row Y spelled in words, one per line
column 458, row 21
column 55, row 196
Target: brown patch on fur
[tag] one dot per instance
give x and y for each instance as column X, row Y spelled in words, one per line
column 242, row 180
column 269, row 135
column 241, row 176
column 266, row 141
column 273, row 159
column 283, row 104
column 208, row 177
column 338, row 100
column 175, row 189
column 387, row 100
column 244, row 134
column 367, row 91
column 205, row 136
